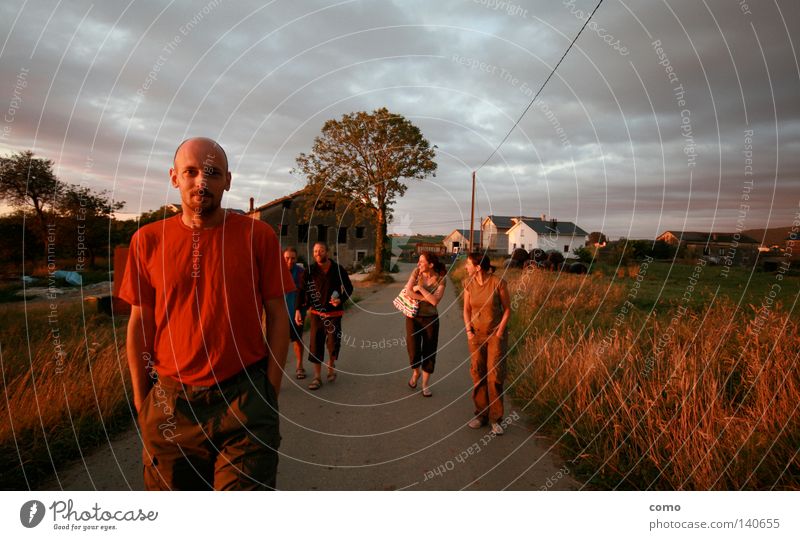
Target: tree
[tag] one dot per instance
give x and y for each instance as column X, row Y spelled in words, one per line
column 596, row 238
column 27, row 182
column 86, row 214
column 363, row 158
column 18, row 230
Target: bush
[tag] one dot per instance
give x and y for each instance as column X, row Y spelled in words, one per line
column 518, row 258
column 555, row 260
column 584, row 254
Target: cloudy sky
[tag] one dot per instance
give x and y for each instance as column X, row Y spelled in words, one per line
column 645, row 126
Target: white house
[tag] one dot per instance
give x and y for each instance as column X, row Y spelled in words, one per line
column 458, row 240
column 533, row 233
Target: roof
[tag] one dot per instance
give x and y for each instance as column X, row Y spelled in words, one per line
column 566, row 228
column 696, row 237
column 463, row 232
column 279, row 200
column 502, row 222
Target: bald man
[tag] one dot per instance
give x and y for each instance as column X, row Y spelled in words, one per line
column 205, row 382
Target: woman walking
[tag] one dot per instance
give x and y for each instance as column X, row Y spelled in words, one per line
column 486, row 312
column 426, row 285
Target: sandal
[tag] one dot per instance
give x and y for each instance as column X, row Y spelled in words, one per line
column 331, row 374
column 413, row 386
column 315, row 384
column 300, row 373
column 426, row 392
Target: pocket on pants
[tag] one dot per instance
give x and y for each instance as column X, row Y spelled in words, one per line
column 259, row 408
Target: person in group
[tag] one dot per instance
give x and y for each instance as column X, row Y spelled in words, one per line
column 205, row 381
column 295, row 330
column 487, row 308
column 326, row 287
column 426, row 285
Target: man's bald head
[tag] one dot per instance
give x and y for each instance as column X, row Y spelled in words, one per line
column 213, row 148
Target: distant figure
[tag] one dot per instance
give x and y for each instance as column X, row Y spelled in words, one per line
column 295, row 330
column 487, row 308
column 199, row 283
column 426, row 284
column 326, row 287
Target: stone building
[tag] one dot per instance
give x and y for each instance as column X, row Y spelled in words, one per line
column 349, row 240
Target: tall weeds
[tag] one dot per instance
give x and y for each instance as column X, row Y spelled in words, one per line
column 676, row 399
column 63, row 389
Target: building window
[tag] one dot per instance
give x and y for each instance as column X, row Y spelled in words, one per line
column 722, row 251
column 514, row 245
column 566, row 249
column 322, row 233
column 360, row 254
column 284, row 229
column 342, row 238
column 359, row 232
column 302, row 233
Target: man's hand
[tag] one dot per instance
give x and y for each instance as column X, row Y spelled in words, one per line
column 139, row 347
column 336, row 302
column 298, row 317
column 277, row 340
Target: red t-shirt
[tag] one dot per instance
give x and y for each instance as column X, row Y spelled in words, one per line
column 207, row 288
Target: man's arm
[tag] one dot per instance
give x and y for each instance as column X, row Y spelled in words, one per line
column 139, row 346
column 347, row 285
column 277, row 340
column 300, row 304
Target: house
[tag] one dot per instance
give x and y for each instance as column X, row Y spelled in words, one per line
column 348, row 239
column 458, row 240
column 736, row 248
column 537, row 233
column 493, row 233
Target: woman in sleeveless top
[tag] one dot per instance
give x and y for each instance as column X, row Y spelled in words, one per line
column 426, row 285
column 487, row 309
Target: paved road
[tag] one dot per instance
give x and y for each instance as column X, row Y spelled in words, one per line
column 368, row 430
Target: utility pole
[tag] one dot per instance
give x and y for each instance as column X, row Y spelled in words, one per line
column 472, row 216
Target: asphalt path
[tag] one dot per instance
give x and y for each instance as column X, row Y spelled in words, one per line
column 368, row 430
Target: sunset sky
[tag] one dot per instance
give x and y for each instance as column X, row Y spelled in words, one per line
column 645, row 126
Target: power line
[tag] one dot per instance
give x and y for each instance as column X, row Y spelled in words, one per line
column 540, row 88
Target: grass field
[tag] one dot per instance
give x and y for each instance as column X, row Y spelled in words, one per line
column 64, row 384
column 671, row 377
column 64, row 388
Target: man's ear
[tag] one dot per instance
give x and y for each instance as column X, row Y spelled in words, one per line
column 228, row 181
column 173, row 177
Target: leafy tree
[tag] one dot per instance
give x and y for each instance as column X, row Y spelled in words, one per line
column 85, row 217
column 596, row 237
column 363, row 159
column 27, row 182
column 19, row 237
column 164, row 212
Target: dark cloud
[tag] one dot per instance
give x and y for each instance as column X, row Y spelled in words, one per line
column 110, row 90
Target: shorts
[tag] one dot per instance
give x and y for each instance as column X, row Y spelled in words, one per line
column 324, row 331
column 295, row 332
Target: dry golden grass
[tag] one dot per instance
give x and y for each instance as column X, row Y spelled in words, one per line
column 53, row 404
column 702, row 399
